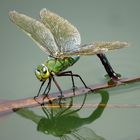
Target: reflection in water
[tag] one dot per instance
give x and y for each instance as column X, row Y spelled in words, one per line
column 66, row 123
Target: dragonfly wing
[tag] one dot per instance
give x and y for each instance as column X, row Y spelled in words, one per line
column 82, row 133
column 37, row 31
column 66, row 35
column 95, row 48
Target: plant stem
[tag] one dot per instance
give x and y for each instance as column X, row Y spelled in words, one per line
column 9, row 106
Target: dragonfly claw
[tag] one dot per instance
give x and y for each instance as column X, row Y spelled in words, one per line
column 35, row 98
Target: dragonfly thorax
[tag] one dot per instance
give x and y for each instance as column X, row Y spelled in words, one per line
column 54, row 66
column 57, row 65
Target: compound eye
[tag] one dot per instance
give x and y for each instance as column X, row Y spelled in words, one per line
column 45, row 69
column 37, row 72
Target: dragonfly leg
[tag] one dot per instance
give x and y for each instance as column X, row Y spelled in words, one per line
column 48, row 87
column 74, row 75
column 74, row 111
column 47, row 113
column 65, row 110
column 39, row 92
column 112, row 74
column 72, row 79
column 58, row 87
column 40, row 89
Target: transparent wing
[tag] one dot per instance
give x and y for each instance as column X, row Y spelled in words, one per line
column 66, row 35
column 95, row 48
column 37, row 31
column 83, row 133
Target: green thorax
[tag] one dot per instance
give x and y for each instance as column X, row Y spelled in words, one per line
column 57, row 65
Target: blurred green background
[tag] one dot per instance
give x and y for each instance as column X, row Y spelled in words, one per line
column 96, row 20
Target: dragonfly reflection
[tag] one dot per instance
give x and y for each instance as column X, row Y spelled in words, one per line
column 62, row 42
column 66, row 123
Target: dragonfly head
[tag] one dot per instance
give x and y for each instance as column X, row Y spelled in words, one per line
column 42, row 73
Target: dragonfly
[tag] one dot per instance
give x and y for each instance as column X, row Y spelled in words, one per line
column 61, row 41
